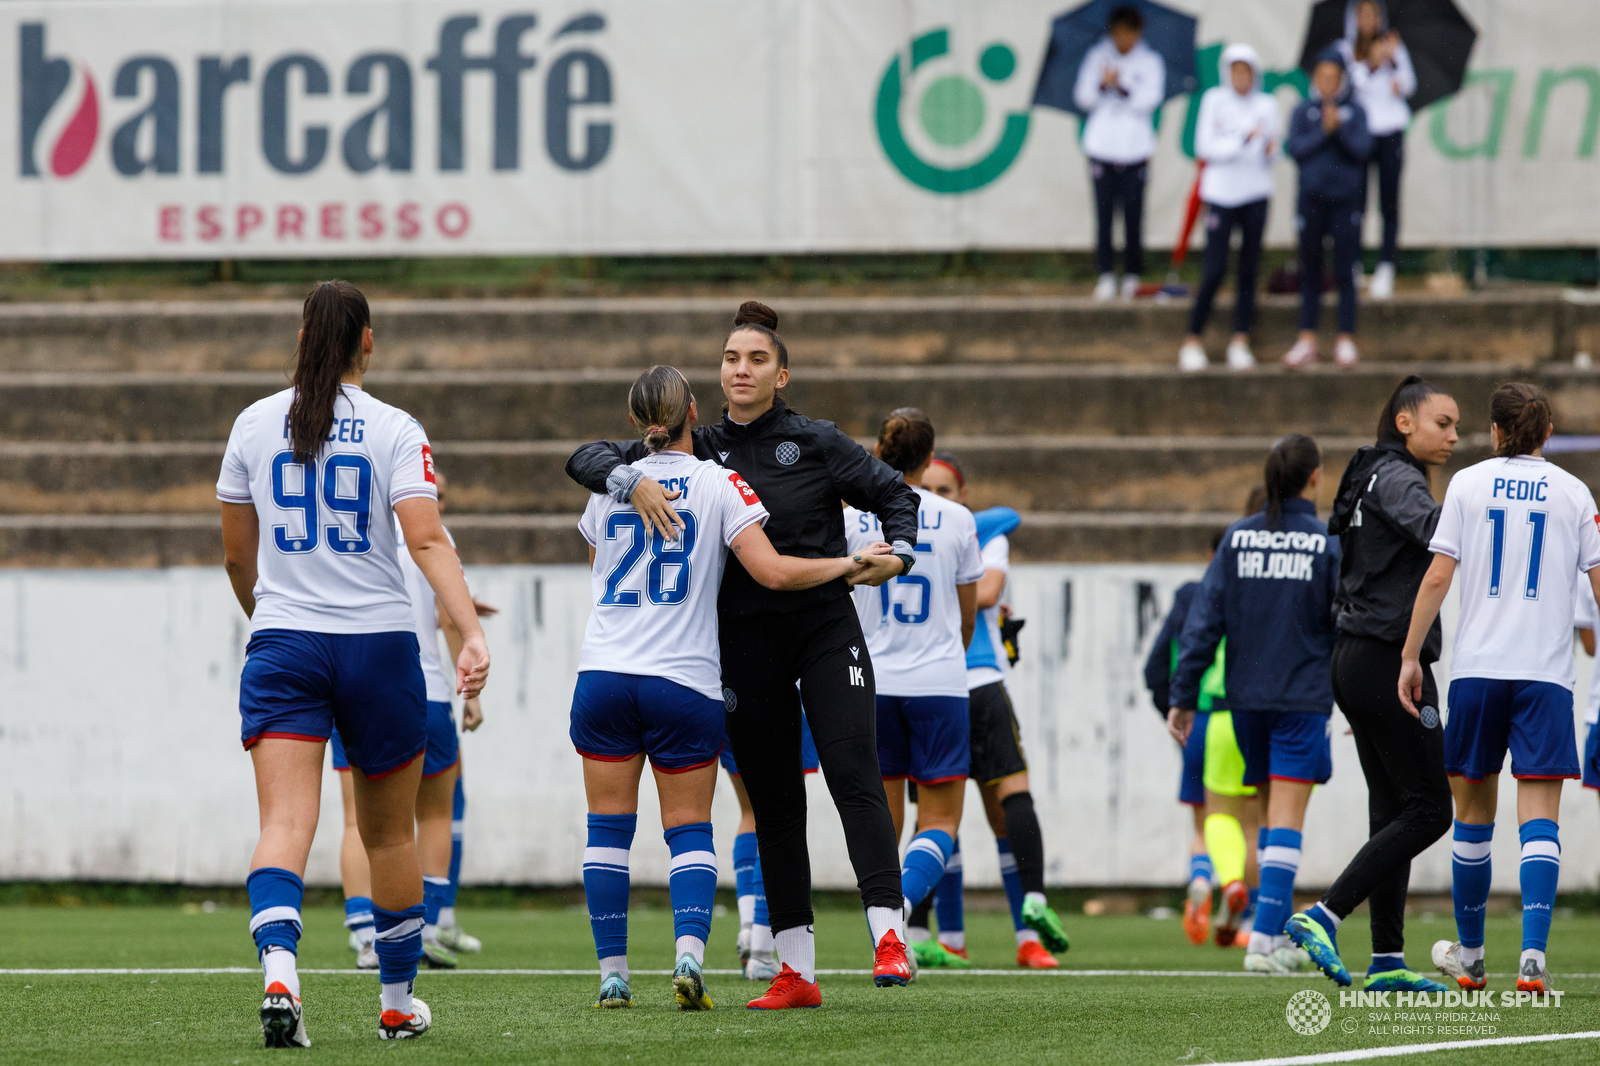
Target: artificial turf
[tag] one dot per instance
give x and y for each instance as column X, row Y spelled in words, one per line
column 946, row 1018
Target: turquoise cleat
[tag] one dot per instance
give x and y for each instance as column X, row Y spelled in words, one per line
column 614, row 992
column 688, row 984
column 1401, row 981
column 1308, row 935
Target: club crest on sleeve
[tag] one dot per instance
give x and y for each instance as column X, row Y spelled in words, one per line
column 729, row 700
column 788, row 453
column 746, row 493
column 1429, row 717
column 427, row 465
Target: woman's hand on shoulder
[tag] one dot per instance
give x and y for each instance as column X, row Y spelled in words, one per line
column 652, row 503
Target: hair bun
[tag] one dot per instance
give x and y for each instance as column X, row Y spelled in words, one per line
column 756, row 313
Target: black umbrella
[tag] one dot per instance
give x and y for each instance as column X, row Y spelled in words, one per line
column 1435, row 32
column 1169, row 32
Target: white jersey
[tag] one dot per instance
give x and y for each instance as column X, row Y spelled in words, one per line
column 996, row 556
column 655, row 602
column 1520, row 528
column 1588, row 617
column 425, row 616
column 913, row 623
column 326, row 562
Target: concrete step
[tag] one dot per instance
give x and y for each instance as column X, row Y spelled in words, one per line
column 1510, row 326
column 963, row 400
column 1179, row 475
column 155, row 540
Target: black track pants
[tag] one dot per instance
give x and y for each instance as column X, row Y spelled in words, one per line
column 1408, row 795
column 822, row 648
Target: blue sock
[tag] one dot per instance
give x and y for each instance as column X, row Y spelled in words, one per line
column 1386, row 962
column 1279, row 861
column 926, row 855
column 605, row 881
column 275, row 897
column 399, row 943
column 1200, row 866
column 947, row 901
column 1012, row 880
column 434, row 889
column 1469, row 880
column 1541, row 866
column 1325, row 918
column 357, row 913
column 758, row 885
column 692, row 881
column 1250, row 911
column 458, row 821
column 746, row 856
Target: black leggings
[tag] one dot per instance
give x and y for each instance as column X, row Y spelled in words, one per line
column 822, row 648
column 1389, row 156
column 1408, row 795
column 1251, row 221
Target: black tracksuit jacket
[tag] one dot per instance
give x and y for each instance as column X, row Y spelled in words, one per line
column 801, row 469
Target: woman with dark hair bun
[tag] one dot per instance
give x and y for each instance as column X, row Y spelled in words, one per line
column 800, row 469
column 1269, row 590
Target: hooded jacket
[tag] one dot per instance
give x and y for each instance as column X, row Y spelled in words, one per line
column 1332, row 166
column 1384, row 517
column 1119, row 128
column 1236, row 136
column 801, row 469
column 1270, row 593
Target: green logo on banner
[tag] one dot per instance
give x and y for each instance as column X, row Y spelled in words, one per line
column 951, row 113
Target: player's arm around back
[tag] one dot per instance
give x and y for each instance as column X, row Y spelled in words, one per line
column 241, row 536
column 786, row 573
column 435, row 556
column 967, row 597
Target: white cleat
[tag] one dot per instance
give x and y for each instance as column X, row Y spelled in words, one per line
column 1447, row 960
column 454, row 938
column 742, row 945
column 1240, row 357
column 1106, row 287
column 392, row 1025
column 763, row 967
column 367, row 957
column 1192, row 358
column 283, row 1021
column 1280, row 960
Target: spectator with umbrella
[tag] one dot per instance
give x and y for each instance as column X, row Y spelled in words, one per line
column 1328, row 137
column 1383, row 77
column 1120, row 84
column 1236, row 139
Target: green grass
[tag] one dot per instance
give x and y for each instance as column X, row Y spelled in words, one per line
column 945, row 1018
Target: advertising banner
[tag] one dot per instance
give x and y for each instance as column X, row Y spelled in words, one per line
column 202, row 129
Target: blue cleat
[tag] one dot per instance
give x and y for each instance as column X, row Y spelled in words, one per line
column 1401, row 980
column 1308, row 935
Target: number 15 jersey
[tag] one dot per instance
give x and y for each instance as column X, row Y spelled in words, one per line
column 326, row 562
column 1523, row 530
column 655, row 601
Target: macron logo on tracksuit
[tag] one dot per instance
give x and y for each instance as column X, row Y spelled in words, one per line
column 1285, row 556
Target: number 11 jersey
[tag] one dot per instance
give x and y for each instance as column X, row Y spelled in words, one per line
column 326, row 563
column 655, row 601
column 1523, row 530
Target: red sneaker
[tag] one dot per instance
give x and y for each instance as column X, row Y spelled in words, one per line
column 1197, row 918
column 1235, row 901
column 1031, row 955
column 787, row 990
column 889, row 964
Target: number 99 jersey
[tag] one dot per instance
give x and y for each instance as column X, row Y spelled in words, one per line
column 913, row 622
column 326, row 563
column 1523, row 530
column 655, row 601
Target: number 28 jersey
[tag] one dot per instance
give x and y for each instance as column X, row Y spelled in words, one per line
column 1523, row 530
column 327, row 560
column 655, row 601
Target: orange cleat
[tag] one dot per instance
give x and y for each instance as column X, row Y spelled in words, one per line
column 1031, row 955
column 788, row 990
column 890, row 965
column 962, row 951
column 1197, row 916
column 1235, row 901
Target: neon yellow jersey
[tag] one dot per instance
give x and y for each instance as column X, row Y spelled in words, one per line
column 1211, row 690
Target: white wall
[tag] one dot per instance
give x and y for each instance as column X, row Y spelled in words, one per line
column 119, row 741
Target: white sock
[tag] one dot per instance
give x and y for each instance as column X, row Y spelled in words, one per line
column 916, row 934
column 1531, row 953
column 956, row 940
column 694, row 946
column 747, row 911
column 1329, row 915
column 797, row 948
column 277, row 965
column 761, row 941
column 430, row 932
column 447, row 917
column 1260, row 943
column 1032, row 897
column 1025, row 935
column 881, row 920
column 614, row 964
column 1471, row 955
column 366, row 935
column 397, row 997
column 1282, row 941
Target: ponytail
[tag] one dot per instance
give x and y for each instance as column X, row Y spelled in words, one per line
column 1290, row 464
column 1522, row 414
column 331, row 326
column 1408, row 397
column 905, row 440
column 659, row 403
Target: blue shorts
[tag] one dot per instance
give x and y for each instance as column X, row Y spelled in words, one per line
column 1531, row 718
column 444, row 746
column 1192, row 785
column 1284, row 745
column 808, row 752
column 925, row 738
column 618, row 716
column 1591, row 758
column 301, row 685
